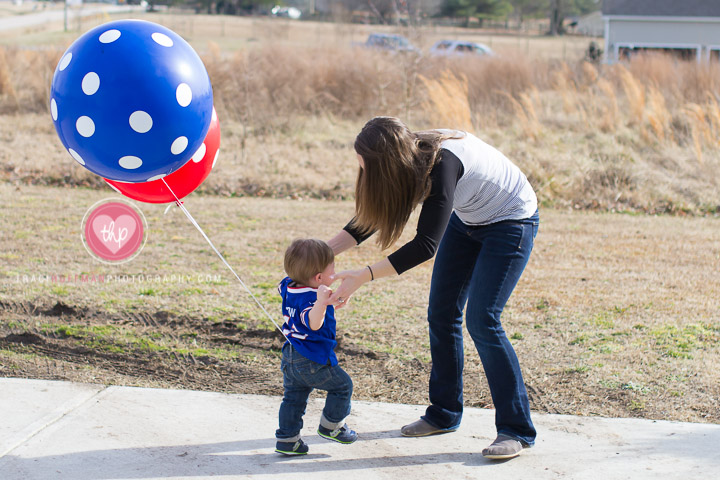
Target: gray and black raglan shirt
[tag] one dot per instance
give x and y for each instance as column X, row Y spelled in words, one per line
column 474, row 180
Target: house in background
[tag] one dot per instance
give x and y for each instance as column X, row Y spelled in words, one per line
column 689, row 29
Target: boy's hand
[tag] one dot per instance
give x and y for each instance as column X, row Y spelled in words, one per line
column 323, row 294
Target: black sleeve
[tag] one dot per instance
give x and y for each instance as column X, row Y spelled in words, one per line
column 434, row 215
column 356, row 234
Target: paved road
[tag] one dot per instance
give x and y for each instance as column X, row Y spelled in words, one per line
column 62, row 430
column 57, row 15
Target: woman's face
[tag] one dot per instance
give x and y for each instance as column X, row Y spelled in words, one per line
column 361, row 162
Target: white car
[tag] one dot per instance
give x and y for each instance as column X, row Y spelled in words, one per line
column 287, row 12
column 457, row 47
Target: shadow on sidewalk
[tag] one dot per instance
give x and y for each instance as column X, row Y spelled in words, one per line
column 246, row 457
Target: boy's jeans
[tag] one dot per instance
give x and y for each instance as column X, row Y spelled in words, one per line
column 481, row 266
column 300, row 377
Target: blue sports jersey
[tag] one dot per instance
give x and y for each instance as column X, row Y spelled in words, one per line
column 316, row 345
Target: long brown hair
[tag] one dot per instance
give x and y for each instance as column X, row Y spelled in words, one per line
column 395, row 177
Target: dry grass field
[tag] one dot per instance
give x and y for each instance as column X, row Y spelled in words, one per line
column 640, row 137
column 618, row 313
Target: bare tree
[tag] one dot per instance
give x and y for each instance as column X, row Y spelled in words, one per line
column 557, row 16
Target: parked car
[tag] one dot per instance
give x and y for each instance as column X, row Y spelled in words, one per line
column 287, row 12
column 457, row 47
column 390, row 42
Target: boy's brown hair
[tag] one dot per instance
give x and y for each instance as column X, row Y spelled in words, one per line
column 306, row 257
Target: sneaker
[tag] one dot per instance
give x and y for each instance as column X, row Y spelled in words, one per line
column 503, row 448
column 421, row 428
column 292, row 448
column 340, row 434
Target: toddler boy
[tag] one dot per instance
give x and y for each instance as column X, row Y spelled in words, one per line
column 309, row 360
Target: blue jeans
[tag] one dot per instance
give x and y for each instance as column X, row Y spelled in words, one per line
column 479, row 266
column 300, row 377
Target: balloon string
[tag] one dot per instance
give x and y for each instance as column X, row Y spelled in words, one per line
column 192, row 220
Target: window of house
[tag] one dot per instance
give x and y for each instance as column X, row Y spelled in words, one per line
column 714, row 54
column 680, row 52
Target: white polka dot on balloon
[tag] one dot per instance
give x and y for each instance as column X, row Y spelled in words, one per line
column 156, row 177
column 135, row 63
column 130, row 162
column 141, row 121
column 215, row 159
column 183, row 94
column 90, row 83
column 76, row 156
column 109, row 36
column 65, row 61
column 162, row 39
column 199, row 154
column 85, row 126
column 179, row 145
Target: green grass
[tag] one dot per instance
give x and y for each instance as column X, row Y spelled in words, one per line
column 681, row 342
column 632, row 386
column 60, row 291
column 577, row 369
column 580, row 339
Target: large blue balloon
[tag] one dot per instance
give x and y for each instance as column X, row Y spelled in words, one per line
column 131, row 101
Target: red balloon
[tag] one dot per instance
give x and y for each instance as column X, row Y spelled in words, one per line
column 182, row 181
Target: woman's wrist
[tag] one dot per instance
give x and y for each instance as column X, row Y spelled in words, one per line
column 372, row 274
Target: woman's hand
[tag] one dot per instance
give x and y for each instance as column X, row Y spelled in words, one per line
column 354, row 279
column 351, row 281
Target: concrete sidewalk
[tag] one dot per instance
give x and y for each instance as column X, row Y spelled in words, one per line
column 61, row 430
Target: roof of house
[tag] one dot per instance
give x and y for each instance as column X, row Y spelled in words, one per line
column 662, row 8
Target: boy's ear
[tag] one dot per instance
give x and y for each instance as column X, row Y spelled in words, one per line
column 318, row 277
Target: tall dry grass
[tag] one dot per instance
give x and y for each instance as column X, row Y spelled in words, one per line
column 6, row 85
column 658, row 116
column 25, row 77
column 634, row 95
column 639, row 136
column 448, row 98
